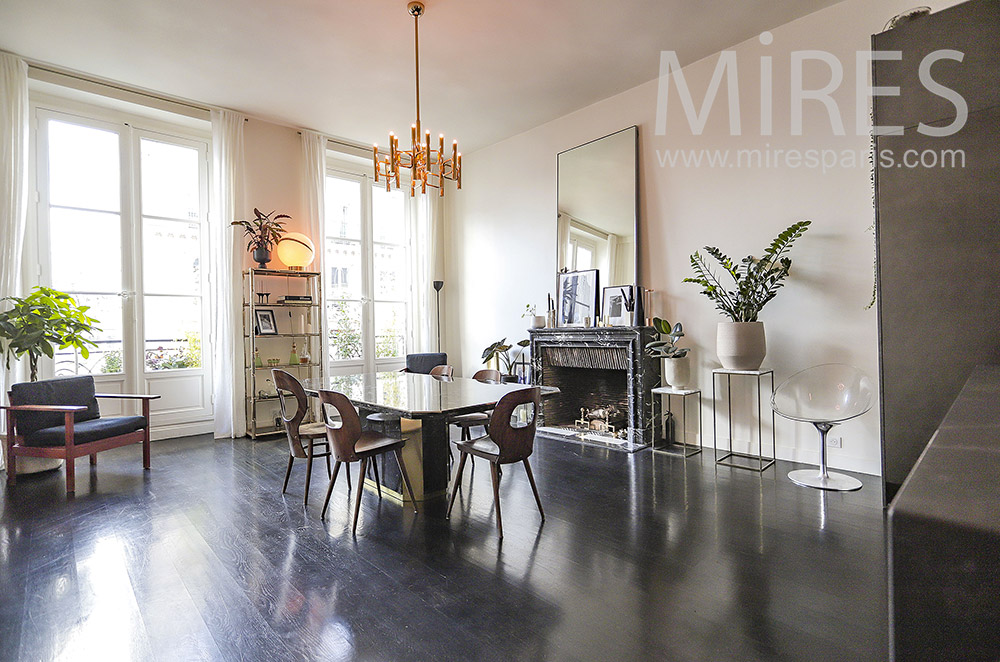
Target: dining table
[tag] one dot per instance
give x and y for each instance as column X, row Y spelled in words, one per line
column 424, row 405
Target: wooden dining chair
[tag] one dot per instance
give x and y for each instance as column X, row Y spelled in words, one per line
column 349, row 443
column 505, row 443
column 306, row 441
column 465, row 422
column 442, row 371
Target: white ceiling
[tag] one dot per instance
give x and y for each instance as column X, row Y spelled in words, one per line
column 489, row 69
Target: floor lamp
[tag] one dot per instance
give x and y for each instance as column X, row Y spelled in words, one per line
column 438, row 284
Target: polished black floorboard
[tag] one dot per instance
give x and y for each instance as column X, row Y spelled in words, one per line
column 641, row 557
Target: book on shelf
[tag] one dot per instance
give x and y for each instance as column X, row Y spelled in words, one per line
column 295, row 298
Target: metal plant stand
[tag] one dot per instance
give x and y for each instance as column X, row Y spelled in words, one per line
column 758, row 462
column 677, row 447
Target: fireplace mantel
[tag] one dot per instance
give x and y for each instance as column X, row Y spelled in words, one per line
column 596, row 366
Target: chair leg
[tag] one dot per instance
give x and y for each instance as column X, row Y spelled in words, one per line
column 329, row 473
column 495, row 471
column 288, row 472
column 70, row 475
column 458, row 482
column 329, row 490
column 378, row 483
column 309, row 470
column 93, row 459
column 11, row 458
column 349, row 479
column 406, row 478
column 145, row 435
column 531, row 479
column 357, row 498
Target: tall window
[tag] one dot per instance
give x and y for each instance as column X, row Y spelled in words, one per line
column 367, row 260
column 121, row 227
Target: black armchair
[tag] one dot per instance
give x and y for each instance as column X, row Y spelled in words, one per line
column 59, row 419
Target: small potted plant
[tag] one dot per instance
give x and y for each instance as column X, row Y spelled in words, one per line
column 263, row 232
column 537, row 321
column 676, row 366
column 500, row 350
column 42, row 322
column 740, row 342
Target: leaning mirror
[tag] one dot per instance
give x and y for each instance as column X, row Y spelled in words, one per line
column 597, row 218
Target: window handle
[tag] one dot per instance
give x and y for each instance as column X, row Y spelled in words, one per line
column 125, row 294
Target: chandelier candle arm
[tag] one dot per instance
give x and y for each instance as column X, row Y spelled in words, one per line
column 428, row 166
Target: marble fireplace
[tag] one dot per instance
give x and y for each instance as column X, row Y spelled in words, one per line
column 600, row 369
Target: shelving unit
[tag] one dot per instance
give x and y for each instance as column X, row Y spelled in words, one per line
column 298, row 323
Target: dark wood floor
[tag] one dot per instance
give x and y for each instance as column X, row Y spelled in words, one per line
column 642, row 557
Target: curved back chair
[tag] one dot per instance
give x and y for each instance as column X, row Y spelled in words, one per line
column 313, row 434
column 505, row 443
column 465, row 422
column 824, row 395
column 442, row 371
column 349, row 443
column 488, row 376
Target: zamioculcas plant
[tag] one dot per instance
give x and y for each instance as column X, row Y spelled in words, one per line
column 42, row 322
column 755, row 281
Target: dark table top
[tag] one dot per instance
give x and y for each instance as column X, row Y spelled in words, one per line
column 413, row 395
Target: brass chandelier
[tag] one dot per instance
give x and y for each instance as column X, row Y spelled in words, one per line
column 428, row 167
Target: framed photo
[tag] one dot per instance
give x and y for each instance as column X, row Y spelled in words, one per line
column 579, row 303
column 266, row 324
column 615, row 304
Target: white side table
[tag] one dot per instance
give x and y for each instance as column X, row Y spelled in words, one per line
column 758, row 462
column 685, row 448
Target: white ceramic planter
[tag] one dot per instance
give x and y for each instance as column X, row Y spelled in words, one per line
column 741, row 345
column 677, row 372
column 538, row 322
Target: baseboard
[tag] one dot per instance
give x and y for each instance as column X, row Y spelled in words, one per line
column 181, row 430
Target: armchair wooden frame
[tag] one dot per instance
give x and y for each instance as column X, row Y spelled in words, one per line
column 70, row 451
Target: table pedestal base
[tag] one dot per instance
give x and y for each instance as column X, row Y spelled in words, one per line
column 831, row 481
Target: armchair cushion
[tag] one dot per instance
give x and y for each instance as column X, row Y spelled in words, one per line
column 86, row 431
column 424, row 363
column 64, row 391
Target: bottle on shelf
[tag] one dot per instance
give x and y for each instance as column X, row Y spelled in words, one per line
column 294, row 358
column 257, row 362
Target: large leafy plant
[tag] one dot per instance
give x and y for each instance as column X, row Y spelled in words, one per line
column 263, row 231
column 41, row 323
column 501, row 350
column 755, row 281
column 667, row 349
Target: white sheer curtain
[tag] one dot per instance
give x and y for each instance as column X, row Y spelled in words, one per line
column 227, row 204
column 426, row 266
column 562, row 240
column 314, row 202
column 13, row 183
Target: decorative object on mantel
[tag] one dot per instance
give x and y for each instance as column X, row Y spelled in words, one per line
column 501, row 351
column 578, row 293
column 740, row 342
column 296, row 250
column 617, row 305
column 263, row 232
column 906, row 17
column 42, row 322
column 676, row 365
column 537, row 321
column 430, row 168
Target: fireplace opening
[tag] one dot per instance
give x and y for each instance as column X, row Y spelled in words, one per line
column 593, row 401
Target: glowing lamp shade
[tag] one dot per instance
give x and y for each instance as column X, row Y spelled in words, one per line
column 296, row 251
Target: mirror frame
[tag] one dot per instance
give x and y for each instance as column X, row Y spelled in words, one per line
column 638, row 314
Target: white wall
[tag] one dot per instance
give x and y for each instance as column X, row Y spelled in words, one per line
column 501, row 230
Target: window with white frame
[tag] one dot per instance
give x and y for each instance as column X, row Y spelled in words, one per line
column 367, row 261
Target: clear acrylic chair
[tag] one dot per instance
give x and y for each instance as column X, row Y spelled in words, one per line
column 824, row 395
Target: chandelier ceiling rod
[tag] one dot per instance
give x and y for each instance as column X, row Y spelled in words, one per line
column 416, row 9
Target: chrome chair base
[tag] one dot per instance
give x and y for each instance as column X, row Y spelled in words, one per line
column 831, row 481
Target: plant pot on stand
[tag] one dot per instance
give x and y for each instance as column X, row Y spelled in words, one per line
column 741, row 345
column 261, row 256
column 677, row 372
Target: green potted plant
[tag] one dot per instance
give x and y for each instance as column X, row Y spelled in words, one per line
column 42, row 322
column 676, row 366
column 500, row 350
column 262, row 233
column 740, row 342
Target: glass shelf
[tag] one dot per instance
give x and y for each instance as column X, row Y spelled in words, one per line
column 283, row 335
column 285, row 365
column 281, row 305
